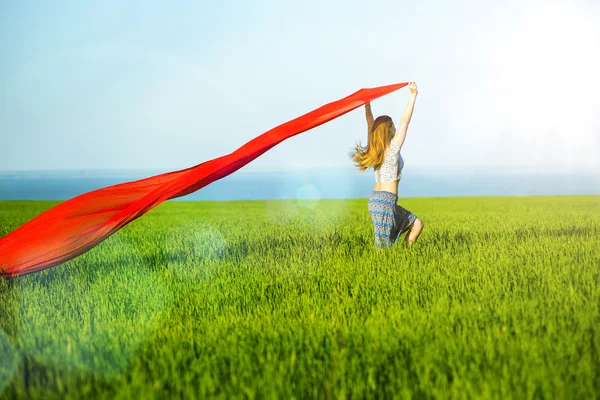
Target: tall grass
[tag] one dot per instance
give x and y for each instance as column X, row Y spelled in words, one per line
column 498, row 298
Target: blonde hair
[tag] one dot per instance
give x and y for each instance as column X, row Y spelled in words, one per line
column 378, row 141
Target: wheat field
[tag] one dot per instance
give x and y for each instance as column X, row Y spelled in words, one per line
column 288, row 299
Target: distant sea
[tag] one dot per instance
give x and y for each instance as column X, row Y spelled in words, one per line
column 307, row 184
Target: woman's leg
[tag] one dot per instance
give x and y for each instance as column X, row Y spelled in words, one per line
column 414, row 231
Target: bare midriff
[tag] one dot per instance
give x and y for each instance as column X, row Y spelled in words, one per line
column 388, row 186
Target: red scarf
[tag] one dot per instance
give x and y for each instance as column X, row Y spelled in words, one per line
column 73, row 227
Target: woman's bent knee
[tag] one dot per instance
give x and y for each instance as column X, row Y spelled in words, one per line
column 418, row 224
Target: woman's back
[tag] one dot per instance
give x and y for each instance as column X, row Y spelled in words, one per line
column 391, row 169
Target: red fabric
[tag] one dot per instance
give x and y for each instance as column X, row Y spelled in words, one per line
column 75, row 226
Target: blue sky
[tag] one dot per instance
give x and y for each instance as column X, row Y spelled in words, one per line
column 165, row 86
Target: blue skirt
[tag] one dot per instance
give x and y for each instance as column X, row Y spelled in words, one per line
column 390, row 220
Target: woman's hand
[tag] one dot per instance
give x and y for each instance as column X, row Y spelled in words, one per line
column 413, row 87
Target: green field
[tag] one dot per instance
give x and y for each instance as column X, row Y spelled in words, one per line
column 499, row 298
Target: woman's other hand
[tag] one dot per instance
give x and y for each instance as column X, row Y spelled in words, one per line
column 413, row 87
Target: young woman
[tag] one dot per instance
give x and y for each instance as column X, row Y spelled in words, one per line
column 390, row 220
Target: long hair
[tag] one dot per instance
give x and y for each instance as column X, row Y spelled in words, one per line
column 378, row 141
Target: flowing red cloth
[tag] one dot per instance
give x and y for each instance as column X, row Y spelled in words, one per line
column 73, row 227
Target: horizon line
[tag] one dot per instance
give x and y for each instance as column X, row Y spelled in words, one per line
column 552, row 168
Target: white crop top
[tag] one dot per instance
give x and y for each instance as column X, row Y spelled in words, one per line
column 391, row 169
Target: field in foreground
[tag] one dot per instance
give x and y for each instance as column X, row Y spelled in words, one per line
column 499, row 298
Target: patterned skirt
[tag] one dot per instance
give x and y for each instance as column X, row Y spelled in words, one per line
column 390, row 220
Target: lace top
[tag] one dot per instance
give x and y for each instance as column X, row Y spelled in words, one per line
column 391, row 169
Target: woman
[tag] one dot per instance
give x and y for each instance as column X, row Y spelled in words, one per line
column 390, row 220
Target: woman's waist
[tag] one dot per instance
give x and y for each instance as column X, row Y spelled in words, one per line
column 390, row 188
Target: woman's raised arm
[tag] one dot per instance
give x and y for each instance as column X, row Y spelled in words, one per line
column 369, row 116
column 406, row 116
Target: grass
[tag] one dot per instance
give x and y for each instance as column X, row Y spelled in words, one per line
column 499, row 298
